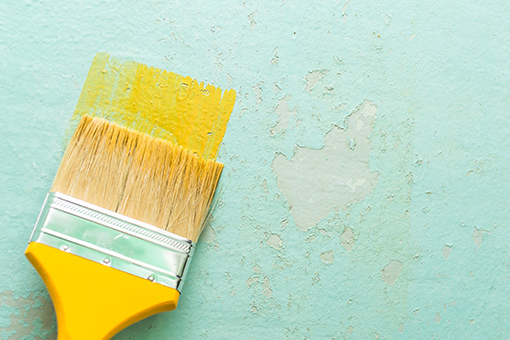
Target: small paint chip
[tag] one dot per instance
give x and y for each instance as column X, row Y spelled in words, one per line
column 328, row 257
column 257, row 89
column 251, row 281
column 438, row 318
column 446, row 250
column 313, row 78
column 310, row 238
column 208, row 234
column 401, row 327
column 275, row 241
column 347, row 239
column 275, row 59
column 478, row 236
column 266, row 287
column 251, row 18
column 390, row 273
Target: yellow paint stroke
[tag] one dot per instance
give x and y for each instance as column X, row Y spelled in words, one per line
column 156, row 102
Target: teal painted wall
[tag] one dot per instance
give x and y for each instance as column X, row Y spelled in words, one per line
column 366, row 161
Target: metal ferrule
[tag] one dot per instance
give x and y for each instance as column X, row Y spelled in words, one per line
column 113, row 240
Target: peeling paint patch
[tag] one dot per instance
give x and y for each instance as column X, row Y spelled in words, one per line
column 313, row 78
column 251, row 281
column 401, row 327
column 208, row 234
column 257, row 89
column 266, row 287
column 328, row 257
column 446, row 250
column 275, row 59
column 23, row 317
column 285, row 114
column 310, row 238
column 347, row 239
column 390, row 273
column 478, row 236
column 274, row 241
column 251, row 18
column 315, row 182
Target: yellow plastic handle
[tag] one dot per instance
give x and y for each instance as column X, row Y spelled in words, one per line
column 93, row 301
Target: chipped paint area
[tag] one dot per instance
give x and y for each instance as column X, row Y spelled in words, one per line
column 313, row 78
column 30, row 317
column 347, row 239
column 315, row 182
column 285, row 114
column 391, row 272
column 274, row 241
column 328, row 257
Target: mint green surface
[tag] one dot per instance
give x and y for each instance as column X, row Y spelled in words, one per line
column 425, row 254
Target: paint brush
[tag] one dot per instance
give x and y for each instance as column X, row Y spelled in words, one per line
column 117, row 231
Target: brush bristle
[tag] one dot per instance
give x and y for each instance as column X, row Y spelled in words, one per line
column 138, row 176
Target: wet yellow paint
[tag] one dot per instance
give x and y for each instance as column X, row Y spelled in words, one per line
column 157, row 102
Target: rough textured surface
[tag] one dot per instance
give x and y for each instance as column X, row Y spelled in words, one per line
column 422, row 252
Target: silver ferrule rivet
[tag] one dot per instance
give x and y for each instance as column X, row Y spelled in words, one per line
column 65, row 247
column 106, row 260
column 151, row 278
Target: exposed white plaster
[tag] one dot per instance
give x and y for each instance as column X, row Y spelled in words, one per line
column 275, row 59
column 390, row 273
column 340, row 106
column 446, row 250
column 208, row 235
column 477, row 237
column 251, row 18
column 257, row 89
column 266, row 287
column 252, row 280
column 328, row 257
column 285, row 113
column 347, row 239
column 313, row 78
column 401, row 327
column 317, row 181
column 310, row 238
column 275, row 241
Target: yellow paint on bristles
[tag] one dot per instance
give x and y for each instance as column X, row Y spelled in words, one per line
column 139, row 176
column 159, row 103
